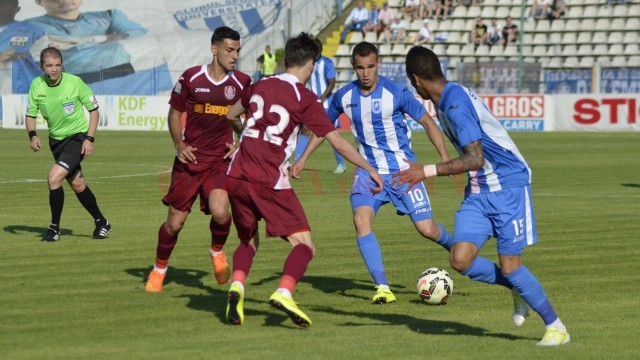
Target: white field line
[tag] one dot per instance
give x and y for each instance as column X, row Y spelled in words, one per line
column 166, row 170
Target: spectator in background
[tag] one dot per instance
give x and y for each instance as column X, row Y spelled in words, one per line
column 424, row 35
column 411, row 9
column 18, row 39
column 427, row 8
column 355, row 21
column 495, row 32
column 385, row 17
column 443, row 8
column 539, row 9
column 479, row 33
column 556, row 10
column 509, row 32
column 396, row 31
column 372, row 20
column 267, row 62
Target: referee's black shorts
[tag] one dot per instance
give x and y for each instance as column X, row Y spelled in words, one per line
column 68, row 153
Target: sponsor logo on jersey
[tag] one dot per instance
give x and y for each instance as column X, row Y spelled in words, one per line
column 376, row 106
column 178, row 88
column 69, row 107
column 211, row 109
column 203, row 90
column 229, row 92
column 350, row 105
column 18, row 41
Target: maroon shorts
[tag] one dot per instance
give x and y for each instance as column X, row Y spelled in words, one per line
column 186, row 185
column 280, row 209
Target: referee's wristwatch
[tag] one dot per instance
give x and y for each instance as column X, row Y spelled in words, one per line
column 90, row 138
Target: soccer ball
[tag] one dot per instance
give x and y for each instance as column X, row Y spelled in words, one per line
column 435, row 286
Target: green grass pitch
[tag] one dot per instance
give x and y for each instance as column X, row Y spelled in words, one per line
column 81, row 298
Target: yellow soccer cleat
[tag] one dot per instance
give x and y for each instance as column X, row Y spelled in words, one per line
column 554, row 337
column 221, row 268
column 155, row 281
column 235, row 300
column 287, row 305
column 383, row 295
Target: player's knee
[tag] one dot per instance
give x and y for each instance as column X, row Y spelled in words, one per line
column 173, row 227
column 220, row 215
column 429, row 230
column 459, row 262
column 362, row 224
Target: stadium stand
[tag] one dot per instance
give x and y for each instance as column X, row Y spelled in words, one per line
column 589, row 34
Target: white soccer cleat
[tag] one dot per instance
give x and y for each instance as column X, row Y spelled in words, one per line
column 520, row 308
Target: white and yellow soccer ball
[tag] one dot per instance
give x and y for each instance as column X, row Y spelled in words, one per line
column 435, row 286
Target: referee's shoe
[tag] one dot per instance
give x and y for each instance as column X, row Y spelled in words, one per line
column 103, row 228
column 52, row 234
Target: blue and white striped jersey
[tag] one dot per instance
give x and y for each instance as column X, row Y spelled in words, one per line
column 465, row 118
column 322, row 72
column 378, row 122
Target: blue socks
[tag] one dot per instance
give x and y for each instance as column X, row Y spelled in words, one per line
column 303, row 140
column 370, row 251
column 484, row 270
column 445, row 240
column 532, row 292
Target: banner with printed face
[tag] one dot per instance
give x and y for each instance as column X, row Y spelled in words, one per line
column 596, row 112
column 124, row 47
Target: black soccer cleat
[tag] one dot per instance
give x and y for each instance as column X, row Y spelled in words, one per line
column 103, row 228
column 52, row 235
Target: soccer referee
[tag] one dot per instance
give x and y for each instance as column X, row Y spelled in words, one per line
column 60, row 98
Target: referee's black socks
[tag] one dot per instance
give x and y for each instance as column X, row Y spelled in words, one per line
column 56, row 202
column 88, row 200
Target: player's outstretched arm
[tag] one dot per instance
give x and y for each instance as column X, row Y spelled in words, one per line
column 435, row 135
column 348, row 152
column 472, row 159
column 298, row 166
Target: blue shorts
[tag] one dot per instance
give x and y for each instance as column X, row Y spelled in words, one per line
column 414, row 202
column 506, row 215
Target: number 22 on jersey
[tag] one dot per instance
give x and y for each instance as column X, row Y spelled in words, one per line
column 271, row 133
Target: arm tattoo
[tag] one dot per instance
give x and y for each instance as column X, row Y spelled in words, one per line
column 472, row 159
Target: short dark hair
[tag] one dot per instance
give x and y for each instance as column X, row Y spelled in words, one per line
column 50, row 52
column 301, row 49
column 424, row 63
column 364, row 49
column 9, row 2
column 224, row 32
column 319, row 42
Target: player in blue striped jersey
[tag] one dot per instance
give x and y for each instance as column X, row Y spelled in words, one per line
column 497, row 199
column 322, row 82
column 377, row 107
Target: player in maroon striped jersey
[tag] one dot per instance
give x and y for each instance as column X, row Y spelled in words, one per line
column 205, row 93
column 258, row 181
